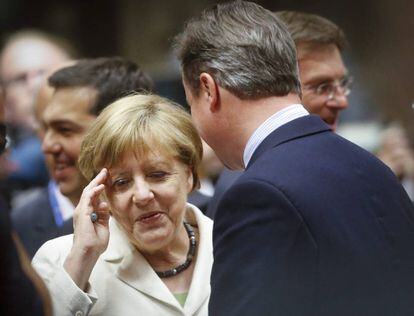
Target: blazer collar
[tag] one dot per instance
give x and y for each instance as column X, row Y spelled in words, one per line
column 133, row 269
column 300, row 127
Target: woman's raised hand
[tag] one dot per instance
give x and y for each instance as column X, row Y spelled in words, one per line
column 90, row 238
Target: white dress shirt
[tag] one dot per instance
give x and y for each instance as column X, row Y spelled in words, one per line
column 278, row 119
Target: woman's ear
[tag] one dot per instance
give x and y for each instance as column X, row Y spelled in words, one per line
column 190, row 180
column 210, row 91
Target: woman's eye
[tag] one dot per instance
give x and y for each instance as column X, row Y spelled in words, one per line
column 120, row 183
column 158, row 175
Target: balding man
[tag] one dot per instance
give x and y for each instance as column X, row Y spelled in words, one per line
column 25, row 59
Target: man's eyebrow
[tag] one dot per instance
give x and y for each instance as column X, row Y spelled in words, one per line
column 58, row 122
column 323, row 77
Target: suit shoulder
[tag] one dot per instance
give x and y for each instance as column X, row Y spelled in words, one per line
column 54, row 249
column 38, row 200
column 254, row 193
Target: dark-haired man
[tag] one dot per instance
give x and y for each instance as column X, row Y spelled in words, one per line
column 315, row 225
column 80, row 93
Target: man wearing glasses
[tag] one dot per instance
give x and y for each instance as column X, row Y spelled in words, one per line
column 323, row 75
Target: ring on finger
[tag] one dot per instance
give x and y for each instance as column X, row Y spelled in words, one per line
column 94, row 217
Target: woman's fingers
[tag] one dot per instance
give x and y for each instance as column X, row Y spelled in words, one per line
column 103, row 206
column 99, row 179
column 102, row 212
column 95, row 194
column 90, row 199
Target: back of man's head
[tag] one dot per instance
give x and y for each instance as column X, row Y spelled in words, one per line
column 312, row 29
column 112, row 78
column 244, row 47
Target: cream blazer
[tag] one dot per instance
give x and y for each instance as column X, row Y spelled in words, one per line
column 122, row 282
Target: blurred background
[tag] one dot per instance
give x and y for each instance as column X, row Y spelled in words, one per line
column 379, row 56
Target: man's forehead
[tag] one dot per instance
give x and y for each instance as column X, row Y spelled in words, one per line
column 316, row 51
column 41, row 57
column 69, row 101
column 319, row 62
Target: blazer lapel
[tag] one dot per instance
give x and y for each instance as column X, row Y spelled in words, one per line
column 133, row 269
column 301, row 127
column 136, row 272
column 200, row 286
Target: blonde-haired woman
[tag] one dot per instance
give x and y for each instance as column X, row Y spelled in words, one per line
column 138, row 247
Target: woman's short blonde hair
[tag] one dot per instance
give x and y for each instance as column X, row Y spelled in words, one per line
column 140, row 123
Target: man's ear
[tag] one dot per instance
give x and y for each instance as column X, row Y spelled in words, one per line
column 210, row 91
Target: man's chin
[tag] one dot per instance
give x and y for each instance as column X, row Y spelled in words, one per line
column 332, row 124
column 66, row 188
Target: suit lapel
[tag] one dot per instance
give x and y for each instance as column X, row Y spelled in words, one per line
column 300, row 127
column 45, row 221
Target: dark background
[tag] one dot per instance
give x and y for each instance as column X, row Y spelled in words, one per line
column 380, row 35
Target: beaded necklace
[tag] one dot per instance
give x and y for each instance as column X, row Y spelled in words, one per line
column 190, row 255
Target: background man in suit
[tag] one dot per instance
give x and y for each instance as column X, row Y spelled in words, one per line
column 315, row 225
column 81, row 92
column 323, row 75
column 45, row 213
column 325, row 81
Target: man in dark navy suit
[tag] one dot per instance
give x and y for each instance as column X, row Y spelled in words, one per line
column 315, row 225
column 324, row 77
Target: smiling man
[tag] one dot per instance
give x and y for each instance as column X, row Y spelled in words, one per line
column 323, row 75
column 82, row 91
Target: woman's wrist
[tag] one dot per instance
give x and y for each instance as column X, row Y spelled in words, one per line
column 79, row 265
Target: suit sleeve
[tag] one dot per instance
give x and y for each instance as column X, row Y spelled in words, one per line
column 265, row 258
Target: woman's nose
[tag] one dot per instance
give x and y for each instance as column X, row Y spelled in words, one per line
column 142, row 193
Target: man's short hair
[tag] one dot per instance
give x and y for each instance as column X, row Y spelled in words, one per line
column 312, row 29
column 112, row 78
column 245, row 47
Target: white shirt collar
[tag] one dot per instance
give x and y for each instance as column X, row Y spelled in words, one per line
column 278, row 119
column 65, row 205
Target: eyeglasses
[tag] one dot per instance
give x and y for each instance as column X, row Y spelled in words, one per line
column 331, row 88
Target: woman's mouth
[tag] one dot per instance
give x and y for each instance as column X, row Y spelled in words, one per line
column 150, row 217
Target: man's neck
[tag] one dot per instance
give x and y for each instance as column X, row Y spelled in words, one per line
column 252, row 114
